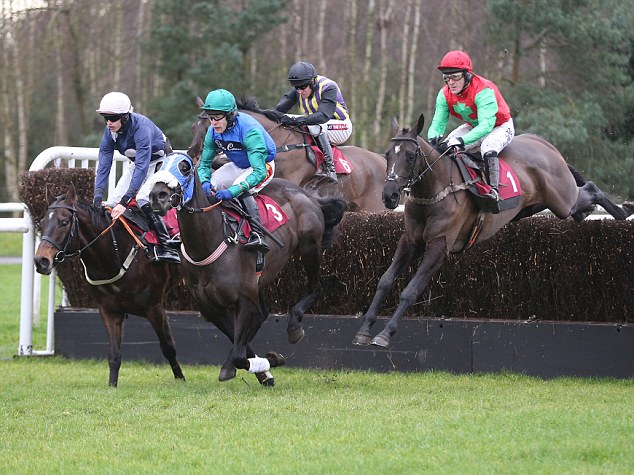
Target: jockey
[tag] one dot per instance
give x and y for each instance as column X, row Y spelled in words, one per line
column 250, row 150
column 139, row 139
column 322, row 107
column 478, row 103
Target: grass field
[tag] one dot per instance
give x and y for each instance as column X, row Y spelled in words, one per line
column 59, row 417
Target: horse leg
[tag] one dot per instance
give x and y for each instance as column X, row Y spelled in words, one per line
column 113, row 321
column 311, row 257
column 248, row 322
column 159, row 321
column 403, row 255
column 434, row 257
column 589, row 195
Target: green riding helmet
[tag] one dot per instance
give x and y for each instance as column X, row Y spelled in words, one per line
column 220, row 100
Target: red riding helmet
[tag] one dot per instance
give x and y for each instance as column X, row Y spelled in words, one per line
column 456, row 61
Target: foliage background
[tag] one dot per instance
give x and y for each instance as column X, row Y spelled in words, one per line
column 564, row 66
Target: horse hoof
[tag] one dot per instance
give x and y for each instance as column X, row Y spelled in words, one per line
column 226, row 374
column 381, row 341
column 266, row 379
column 295, row 336
column 362, row 339
column 275, row 359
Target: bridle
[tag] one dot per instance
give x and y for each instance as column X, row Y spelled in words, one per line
column 414, row 178
column 62, row 253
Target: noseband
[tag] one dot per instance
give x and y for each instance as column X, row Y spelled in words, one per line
column 62, row 254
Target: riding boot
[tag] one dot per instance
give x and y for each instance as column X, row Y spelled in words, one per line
column 162, row 251
column 324, row 144
column 256, row 241
column 493, row 168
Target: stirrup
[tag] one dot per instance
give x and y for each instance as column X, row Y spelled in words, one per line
column 256, row 243
column 492, row 195
column 164, row 254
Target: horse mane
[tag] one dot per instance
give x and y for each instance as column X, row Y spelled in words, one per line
column 98, row 217
column 250, row 104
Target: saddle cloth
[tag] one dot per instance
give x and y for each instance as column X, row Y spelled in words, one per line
column 272, row 216
column 342, row 165
column 509, row 189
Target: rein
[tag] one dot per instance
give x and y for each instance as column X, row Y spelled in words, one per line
column 74, row 231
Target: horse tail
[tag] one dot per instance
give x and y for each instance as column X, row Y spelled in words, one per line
column 333, row 210
column 579, row 179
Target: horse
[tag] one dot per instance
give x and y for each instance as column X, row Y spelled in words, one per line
column 221, row 274
column 440, row 219
column 121, row 281
column 361, row 187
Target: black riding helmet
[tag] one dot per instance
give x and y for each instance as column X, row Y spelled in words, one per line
column 301, row 73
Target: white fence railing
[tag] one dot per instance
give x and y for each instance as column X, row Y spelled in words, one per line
column 71, row 157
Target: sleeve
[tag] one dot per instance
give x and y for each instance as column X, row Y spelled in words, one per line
column 257, row 152
column 287, row 101
column 106, row 154
column 143, row 147
column 209, row 152
column 326, row 109
column 441, row 117
column 487, row 107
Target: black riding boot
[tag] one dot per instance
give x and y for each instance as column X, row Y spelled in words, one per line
column 162, row 252
column 493, row 167
column 324, row 144
column 256, row 241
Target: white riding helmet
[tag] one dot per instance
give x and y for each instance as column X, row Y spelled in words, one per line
column 115, row 103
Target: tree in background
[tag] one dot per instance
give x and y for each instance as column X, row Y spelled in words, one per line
column 569, row 64
column 204, row 45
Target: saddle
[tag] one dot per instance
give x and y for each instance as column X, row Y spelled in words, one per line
column 315, row 155
column 472, row 169
column 138, row 223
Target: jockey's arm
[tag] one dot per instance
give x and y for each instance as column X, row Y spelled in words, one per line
column 487, row 107
column 326, row 109
column 209, row 152
column 441, row 117
column 287, row 101
column 257, row 152
column 104, row 163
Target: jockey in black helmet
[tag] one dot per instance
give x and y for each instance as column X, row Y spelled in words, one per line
column 323, row 109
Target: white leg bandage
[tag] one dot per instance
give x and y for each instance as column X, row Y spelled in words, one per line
column 259, row 365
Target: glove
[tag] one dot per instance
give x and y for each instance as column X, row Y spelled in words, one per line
column 96, row 201
column 455, row 142
column 435, row 141
column 223, row 195
column 207, row 188
column 290, row 121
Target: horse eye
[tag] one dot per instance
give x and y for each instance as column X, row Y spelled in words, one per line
column 410, row 157
column 184, row 167
column 65, row 222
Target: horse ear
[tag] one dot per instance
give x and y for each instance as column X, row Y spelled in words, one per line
column 71, row 194
column 420, row 124
column 199, row 101
column 394, row 125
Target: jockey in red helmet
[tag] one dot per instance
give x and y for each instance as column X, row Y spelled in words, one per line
column 478, row 103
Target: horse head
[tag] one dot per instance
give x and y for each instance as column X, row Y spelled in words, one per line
column 406, row 157
column 59, row 227
column 173, row 185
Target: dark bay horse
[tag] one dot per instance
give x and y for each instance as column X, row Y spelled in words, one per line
column 122, row 282
column 361, row 188
column 440, row 216
column 221, row 274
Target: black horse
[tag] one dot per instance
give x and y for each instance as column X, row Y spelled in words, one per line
column 122, row 281
column 221, row 274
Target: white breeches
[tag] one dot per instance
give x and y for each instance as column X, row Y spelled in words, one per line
column 143, row 196
column 338, row 130
column 230, row 174
column 495, row 141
